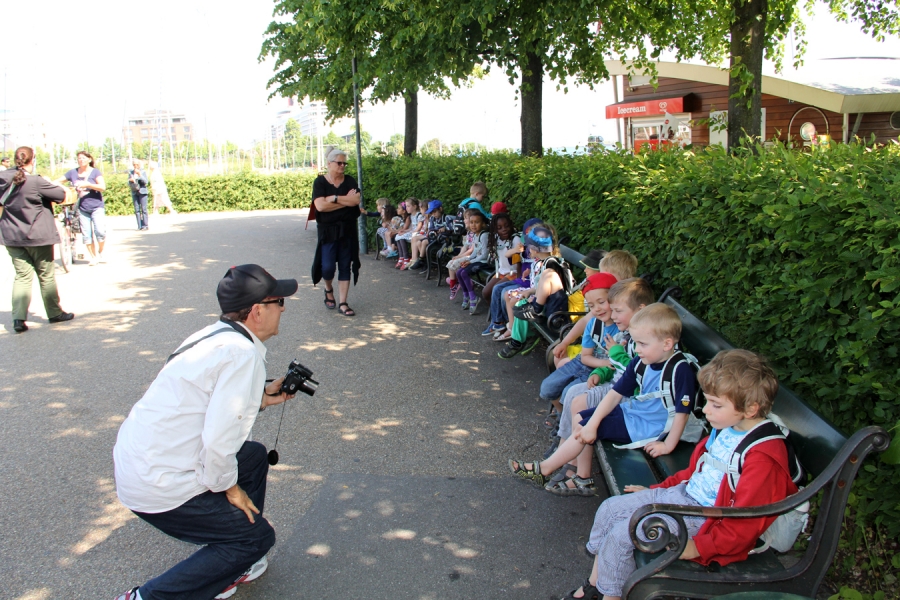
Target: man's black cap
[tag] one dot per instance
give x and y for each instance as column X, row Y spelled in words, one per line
column 246, row 285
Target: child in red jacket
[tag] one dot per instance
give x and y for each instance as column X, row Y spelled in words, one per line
column 739, row 387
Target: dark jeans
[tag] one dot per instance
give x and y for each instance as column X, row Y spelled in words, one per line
column 337, row 252
column 232, row 542
column 140, row 211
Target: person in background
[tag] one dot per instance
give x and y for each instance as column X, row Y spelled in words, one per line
column 160, row 190
column 137, row 183
column 4, row 162
column 336, row 200
column 28, row 230
column 90, row 185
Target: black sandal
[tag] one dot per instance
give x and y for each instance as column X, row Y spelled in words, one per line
column 330, row 303
column 588, row 592
column 347, row 312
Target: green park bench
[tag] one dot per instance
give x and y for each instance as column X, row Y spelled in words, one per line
column 831, row 459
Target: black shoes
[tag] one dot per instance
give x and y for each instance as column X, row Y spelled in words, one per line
column 19, row 326
column 61, row 317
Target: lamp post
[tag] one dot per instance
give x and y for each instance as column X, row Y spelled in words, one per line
column 363, row 245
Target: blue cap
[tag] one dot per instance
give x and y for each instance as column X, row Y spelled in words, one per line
column 433, row 205
column 531, row 222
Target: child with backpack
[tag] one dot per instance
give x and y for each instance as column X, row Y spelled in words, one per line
column 740, row 387
column 551, row 283
column 499, row 300
column 477, row 259
column 626, row 299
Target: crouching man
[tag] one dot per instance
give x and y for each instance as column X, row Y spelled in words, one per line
column 183, row 459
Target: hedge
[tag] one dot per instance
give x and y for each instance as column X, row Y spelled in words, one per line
column 242, row 191
column 790, row 254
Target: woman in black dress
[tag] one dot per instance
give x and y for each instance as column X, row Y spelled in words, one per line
column 336, row 204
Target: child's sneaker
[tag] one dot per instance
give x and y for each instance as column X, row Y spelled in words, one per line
column 511, row 348
column 384, row 252
column 473, row 304
column 257, row 569
column 400, row 263
column 453, row 290
column 527, row 312
column 132, row 594
column 465, row 303
column 392, row 254
column 529, row 345
column 492, row 329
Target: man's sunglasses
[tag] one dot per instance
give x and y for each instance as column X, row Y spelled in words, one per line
column 278, row 301
column 339, row 163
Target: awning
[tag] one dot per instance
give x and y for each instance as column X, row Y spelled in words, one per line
column 645, row 108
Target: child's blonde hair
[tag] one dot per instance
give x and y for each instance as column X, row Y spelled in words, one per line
column 381, row 202
column 621, row 263
column 660, row 319
column 744, row 378
column 634, row 292
column 478, row 186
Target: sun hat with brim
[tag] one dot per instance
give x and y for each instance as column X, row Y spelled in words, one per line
column 592, row 259
column 246, row 285
column 433, row 205
column 599, row 281
column 477, row 206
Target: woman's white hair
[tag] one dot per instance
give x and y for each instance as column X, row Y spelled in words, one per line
column 334, row 153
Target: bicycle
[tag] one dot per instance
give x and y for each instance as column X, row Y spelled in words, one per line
column 69, row 226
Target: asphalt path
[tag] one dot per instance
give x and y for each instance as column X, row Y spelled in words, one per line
column 393, row 480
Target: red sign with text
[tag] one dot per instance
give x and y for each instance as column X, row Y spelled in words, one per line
column 645, row 108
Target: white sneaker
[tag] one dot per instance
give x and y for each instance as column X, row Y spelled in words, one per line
column 102, row 259
column 93, row 262
column 258, row 568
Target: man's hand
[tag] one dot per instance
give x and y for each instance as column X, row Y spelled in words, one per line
column 239, row 498
column 277, row 398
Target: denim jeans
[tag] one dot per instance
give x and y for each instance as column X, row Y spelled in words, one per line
column 573, row 372
column 232, row 542
column 498, row 301
column 140, row 211
column 93, row 225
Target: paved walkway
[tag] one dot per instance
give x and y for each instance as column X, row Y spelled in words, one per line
column 393, row 481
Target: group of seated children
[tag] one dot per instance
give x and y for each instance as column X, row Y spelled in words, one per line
column 640, row 395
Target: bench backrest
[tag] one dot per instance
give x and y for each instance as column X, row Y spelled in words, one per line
column 573, row 257
column 814, row 438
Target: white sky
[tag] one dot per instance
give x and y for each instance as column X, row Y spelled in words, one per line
column 81, row 69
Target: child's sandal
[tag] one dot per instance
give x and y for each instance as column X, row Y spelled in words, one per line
column 583, row 487
column 532, row 474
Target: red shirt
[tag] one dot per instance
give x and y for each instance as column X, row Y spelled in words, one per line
column 765, row 479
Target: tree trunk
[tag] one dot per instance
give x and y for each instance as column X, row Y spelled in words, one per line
column 747, row 45
column 411, row 137
column 532, row 79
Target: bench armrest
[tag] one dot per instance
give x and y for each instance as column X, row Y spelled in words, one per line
column 840, row 471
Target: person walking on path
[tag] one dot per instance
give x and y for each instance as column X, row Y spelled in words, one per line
column 28, row 230
column 160, row 191
column 90, row 185
column 137, row 183
column 184, row 462
column 335, row 207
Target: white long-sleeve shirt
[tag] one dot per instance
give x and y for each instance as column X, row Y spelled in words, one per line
column 181, row 439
